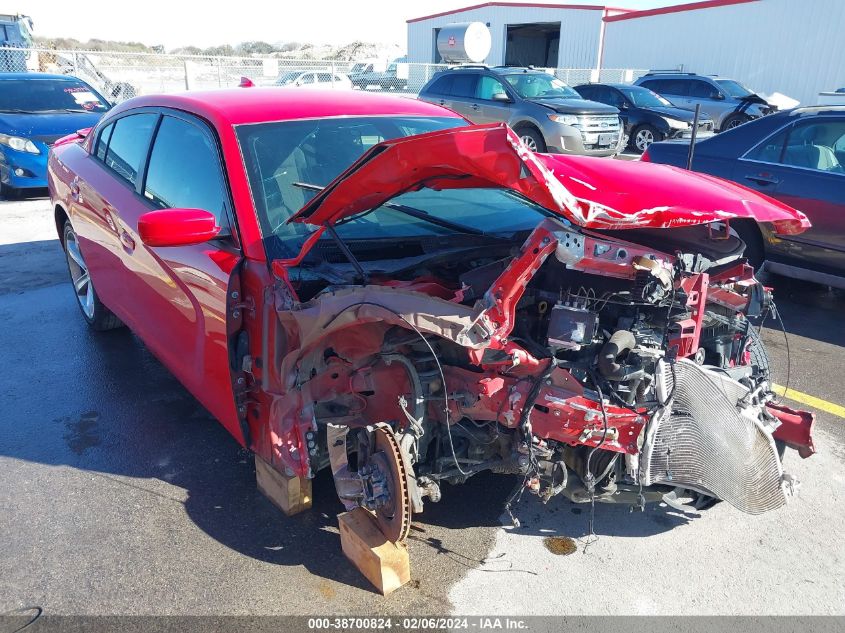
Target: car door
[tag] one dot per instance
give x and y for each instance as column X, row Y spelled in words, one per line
column 710, row 98
column 440, row 91
column 106, row 182
column 611, row 96
column 799, row 166
column 487, row 109
column 462, row 97
column 177, row 298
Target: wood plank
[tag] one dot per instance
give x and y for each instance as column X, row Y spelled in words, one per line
column 290, row 494
column 386, row 565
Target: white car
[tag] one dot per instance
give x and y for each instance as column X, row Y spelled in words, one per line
column 314, row 79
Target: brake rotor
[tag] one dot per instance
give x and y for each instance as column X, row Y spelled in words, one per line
column 394, row 517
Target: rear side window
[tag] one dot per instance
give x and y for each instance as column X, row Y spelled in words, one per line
column 128, row 144
column 678, row 87
column 464, row 85
column 442, row 86
column 103, row 141
column 184, row 170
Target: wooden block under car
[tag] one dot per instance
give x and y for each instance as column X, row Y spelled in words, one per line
column 290, row 494
column 386, row 565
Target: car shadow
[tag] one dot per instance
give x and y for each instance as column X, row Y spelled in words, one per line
column 100, row 402
column 36, row 193
column 806, row 307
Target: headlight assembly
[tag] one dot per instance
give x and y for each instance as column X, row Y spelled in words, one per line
column 19, row 144
column 677, row 125
column 566, row 119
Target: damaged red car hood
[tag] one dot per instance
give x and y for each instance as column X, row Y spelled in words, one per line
column 589, row 192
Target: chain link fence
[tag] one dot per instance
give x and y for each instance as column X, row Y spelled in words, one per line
column 120, row 75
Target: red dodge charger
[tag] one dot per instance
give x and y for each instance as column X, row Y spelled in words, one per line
column 371, row 284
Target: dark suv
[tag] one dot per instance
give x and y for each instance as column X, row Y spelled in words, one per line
column 724, row 100
column 548, row 115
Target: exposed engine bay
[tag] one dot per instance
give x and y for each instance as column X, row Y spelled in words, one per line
column 606, row 366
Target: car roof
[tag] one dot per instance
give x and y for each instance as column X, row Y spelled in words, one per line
column 820, row 110
column 683, row 75
column 507, row 70
column 612, row 85
column 4, row 76
column 236, row 106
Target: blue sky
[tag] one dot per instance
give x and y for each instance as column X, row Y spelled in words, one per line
column 208, row 22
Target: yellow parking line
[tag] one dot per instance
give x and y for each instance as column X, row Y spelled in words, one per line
column 811, row 401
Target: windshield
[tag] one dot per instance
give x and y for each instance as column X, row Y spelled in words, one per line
column 645, row 98
column 496, row 210
column 540, row 86
column 733, row 88
column 48, row 95
column 279, row 155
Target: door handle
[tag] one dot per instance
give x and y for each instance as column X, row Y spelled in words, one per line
column 762, row 179
column 127, row 241
column 443, row 102
column 475, row 107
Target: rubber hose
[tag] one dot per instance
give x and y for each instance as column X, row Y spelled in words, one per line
column 620, row 343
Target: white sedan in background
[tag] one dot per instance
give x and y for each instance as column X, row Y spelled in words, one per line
column 314, row 79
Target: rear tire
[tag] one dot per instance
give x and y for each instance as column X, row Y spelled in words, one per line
column 97, row 315
column 532, row 138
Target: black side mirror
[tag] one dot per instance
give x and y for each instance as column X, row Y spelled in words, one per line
column 718, row 96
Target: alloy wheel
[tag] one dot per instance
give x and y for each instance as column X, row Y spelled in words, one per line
column 643, row 139
column 529, row 141
column 79, row 274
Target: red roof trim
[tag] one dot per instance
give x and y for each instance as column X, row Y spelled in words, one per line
column 691, row 6
column 589, row 7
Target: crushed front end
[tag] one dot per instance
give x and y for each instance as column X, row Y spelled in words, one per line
column 594, row 362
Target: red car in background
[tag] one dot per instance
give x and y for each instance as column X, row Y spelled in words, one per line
column 370, row 283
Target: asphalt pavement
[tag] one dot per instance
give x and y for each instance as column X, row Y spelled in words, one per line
column 121, row 495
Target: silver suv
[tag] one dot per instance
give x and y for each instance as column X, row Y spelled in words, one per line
column 726, row 101
column 548, row 115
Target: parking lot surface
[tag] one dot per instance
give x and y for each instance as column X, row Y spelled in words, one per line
column 121, row 495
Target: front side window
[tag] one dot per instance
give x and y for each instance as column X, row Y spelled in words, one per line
column 283, row 158
column 44, row 96
column 734, row 88
column 816, row 145
column 813, row 145
column 489, row 86
column 184, row 170
column 771, row 150
column 128, row 144
column 540, row 86
column 703, row 90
